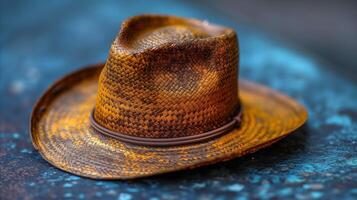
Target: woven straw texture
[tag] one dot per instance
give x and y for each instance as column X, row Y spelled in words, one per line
column 165, row 77
column 61, row 132
column 168, row 77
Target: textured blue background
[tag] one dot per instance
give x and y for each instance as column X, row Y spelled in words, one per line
column 41, row 41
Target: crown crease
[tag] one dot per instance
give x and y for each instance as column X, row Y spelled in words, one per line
column 169, row 77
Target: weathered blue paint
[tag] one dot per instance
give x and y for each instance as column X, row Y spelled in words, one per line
column 45, row 40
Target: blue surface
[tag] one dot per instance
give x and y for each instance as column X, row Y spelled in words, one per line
column 41, row 41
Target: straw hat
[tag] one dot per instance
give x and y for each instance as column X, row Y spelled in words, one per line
column 167, row 99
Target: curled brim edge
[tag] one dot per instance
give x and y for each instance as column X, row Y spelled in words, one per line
column 61, row 132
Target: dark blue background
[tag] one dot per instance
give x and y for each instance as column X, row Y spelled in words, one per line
column 42, row 41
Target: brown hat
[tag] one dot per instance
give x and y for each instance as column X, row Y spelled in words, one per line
column 166, row 99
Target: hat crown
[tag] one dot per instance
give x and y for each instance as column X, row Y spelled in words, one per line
column 168, row 77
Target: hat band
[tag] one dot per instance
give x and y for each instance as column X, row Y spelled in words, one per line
column 166, row 141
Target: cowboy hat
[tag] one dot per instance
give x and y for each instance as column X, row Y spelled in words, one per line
column 168, row 98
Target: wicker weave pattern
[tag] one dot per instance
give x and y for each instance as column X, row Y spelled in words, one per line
column 164, row 77
column 168, row 77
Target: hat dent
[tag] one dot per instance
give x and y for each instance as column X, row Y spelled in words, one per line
column 185, row 85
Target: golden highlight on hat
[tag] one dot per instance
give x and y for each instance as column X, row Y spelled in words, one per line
column 166, row 80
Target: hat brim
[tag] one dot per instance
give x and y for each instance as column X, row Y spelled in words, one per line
column 61, row 132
